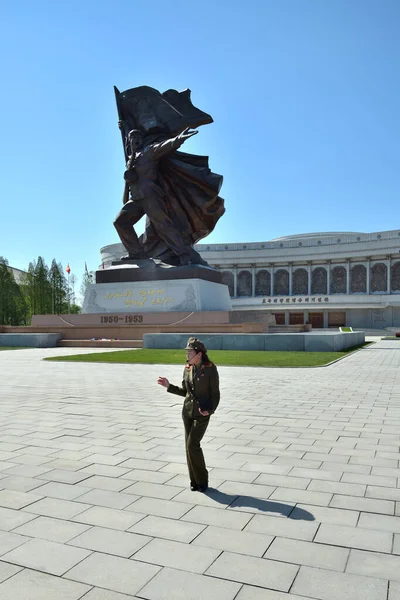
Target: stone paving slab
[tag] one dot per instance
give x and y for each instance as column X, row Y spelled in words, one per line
column 109, row 541
column 329, row 585
column 188, row 585
column 52, row 530
column 218, row 517
column 394, row 590
column 10, row 519
column 100, row 594
column 169, row 529
column 7, row 571
column 308, row 553
column 113, row 573
column 255, row 571
column 54, row 507
column 374, row 564
column 113, row 518
column 355, row 537
column 49, row 557
column 177, row 555
column 249, row 592
column 240, row 542
column 304, row 498
column 32, row 585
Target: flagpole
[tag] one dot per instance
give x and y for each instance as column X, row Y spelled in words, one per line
column 68, row 269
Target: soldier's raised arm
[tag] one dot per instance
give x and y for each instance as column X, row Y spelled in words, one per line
column 167, row 146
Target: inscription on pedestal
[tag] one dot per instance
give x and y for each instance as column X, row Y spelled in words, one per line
column 166, row 296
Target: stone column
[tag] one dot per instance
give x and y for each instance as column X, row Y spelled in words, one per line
column 235, row 281
column 389, row 274
column 286, row 317
column 290, row 278
column 368, row 274
column 309, row 278
column 272, row 280
column 325, row 319
column 347, row 276
column 253, row 280
column 328, row 280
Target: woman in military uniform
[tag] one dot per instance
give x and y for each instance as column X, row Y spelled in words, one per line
column 200, row 387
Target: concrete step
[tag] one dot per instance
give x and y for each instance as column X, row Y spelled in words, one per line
column 105, row 343
column 289, row 328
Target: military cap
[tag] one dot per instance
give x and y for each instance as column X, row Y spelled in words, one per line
column 195, row 344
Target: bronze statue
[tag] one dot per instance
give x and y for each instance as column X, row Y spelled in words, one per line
column 176, row 191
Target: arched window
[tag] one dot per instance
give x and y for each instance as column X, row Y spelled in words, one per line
column 244, row 284
column 319, row 281
column 263, row 283
column 281, row 282
column 378, row 278
column 358, row 283
column 339, row 280
column 395, row 277
column 300, row 282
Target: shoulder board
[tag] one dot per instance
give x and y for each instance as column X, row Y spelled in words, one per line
column 209, row 364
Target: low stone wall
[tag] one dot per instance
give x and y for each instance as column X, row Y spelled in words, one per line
column 114, row 331
column 30, row 340
column 307, row 342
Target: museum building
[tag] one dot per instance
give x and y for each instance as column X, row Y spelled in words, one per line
column 327, row 279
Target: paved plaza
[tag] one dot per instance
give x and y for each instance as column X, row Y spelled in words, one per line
column 304, row 469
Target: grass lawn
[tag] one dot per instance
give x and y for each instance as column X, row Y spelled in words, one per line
column 237, row 358
column 11, row 348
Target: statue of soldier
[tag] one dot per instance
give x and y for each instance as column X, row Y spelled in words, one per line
column 144, row 195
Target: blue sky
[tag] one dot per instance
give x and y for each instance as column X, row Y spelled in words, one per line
column 305, row 96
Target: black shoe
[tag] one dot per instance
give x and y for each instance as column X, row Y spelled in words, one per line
column 194, row 487
column 202, row 488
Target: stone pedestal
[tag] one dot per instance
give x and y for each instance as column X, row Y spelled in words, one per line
column 173, row 295
column 154, row 270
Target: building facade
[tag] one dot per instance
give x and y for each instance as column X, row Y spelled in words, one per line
column 326, row 279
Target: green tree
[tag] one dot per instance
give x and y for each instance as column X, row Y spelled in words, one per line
column 13, row 307
column 43, row 289
column 38, row 288
column 59, row 290
column 75, row 309
column 29, row 289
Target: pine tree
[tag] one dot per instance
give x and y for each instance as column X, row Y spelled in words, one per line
column 29, row 289
column 13, row 307
column 59, row 290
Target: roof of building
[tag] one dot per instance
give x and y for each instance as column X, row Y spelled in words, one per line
column 320, row 234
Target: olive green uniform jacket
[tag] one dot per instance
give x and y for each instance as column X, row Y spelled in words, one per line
column 200, row 386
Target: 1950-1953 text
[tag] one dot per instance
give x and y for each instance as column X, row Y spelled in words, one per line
column 114, row 319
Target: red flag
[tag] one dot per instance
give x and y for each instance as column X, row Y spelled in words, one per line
column 68, row 269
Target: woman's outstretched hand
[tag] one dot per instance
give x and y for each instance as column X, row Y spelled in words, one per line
column 163, row 381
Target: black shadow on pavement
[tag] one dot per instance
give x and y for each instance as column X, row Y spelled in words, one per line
column 267, row 506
